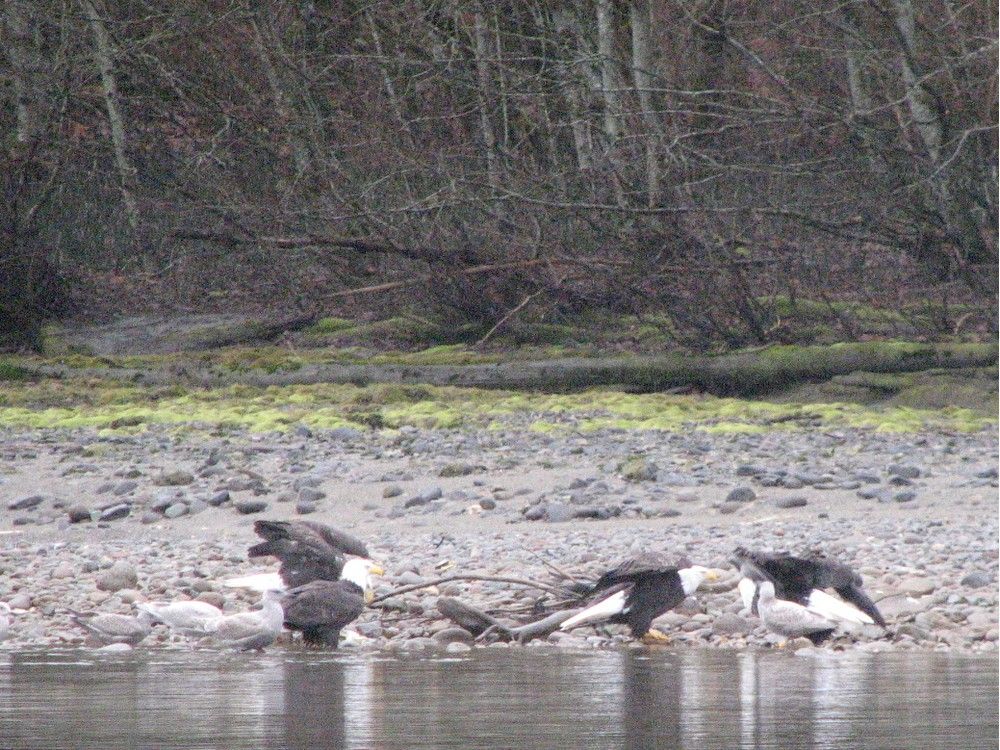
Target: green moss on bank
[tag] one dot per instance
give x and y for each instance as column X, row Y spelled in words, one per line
column 80, row 403
column 12, row 371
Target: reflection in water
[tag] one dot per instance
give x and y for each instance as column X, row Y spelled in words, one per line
column 652, row 703
column 241, row 697
column 775, row 706
column 747, row 666
column 497, row 699
column 841, row 687
column 314, row 697
column 706, row 699
column 359, row 698
column 519, row 701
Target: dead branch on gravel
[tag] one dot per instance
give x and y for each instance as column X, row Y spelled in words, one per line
column 469, row 577
column 487, row 628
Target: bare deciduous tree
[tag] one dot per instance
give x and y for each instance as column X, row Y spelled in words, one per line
column 683, row 162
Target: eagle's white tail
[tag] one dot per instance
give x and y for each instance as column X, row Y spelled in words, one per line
column 747, row 591
column 598, row 612
column 256, row 582
column 836, row 609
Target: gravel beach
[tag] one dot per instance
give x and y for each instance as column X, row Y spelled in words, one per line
column 97, row 523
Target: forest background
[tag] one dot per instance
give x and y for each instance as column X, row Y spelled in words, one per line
column 726, row 173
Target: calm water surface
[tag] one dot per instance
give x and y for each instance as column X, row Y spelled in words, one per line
column 496, row 699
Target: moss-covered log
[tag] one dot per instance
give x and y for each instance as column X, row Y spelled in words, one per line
column 745, row 374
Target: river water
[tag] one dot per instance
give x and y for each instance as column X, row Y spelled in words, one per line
column 496, row 698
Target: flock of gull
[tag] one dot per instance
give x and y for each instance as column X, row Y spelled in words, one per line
column 324, row 581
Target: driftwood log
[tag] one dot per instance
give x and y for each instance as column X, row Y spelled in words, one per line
column 750, row 373
column 486, row 627
column 468, row 617
column 470, row 577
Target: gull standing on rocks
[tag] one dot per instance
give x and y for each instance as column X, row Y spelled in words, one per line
column 111, row 628
column 190, row 618
column 247, row 631
column 791, row 620
column 803, row 579
column 4, row 621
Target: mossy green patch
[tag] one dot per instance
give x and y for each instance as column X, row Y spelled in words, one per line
column 227, row 334
column 406, row 330
column 811, row 310
column 266, row 359
column 972, row 388
column 12, row 371
column 443, row 354
column 637, row 469
column 79, row 402
column 330, row 325
column 54, row 343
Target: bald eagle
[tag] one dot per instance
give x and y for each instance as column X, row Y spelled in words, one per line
column 640, row 590
column 319, row 609
column 308, row 551
column 802, row 579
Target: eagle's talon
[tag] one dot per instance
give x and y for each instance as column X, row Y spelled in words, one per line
column 655, row 638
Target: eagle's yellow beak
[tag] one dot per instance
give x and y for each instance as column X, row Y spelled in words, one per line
column 712, row 575
column 375, row 570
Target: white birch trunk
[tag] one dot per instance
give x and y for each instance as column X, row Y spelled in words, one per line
column 918, row 98
column 105, row 56
column 861, row 101
column 577, row 123
column 609, row 76
column 300, row 150
column 575, row 90
column 18, row 25
column 387, row 82
column 642, row 77
column 484, row 94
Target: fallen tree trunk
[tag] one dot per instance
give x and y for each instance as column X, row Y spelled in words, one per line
column 244, row 332
column 468, row 617
column 484, row 626
column 750, row 373
column 541, row 628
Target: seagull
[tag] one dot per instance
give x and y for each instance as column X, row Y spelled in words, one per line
column 802, row 580
column 247, row 631
column 4, row 621
column 789, row 619
column 191, row 618
column 111, row 628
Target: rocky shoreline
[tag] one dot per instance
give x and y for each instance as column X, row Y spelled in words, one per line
column 99, row 522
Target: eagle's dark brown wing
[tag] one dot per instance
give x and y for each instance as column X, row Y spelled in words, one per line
column 640, row 566
column 793, row 577
column 308, row 551
column 340, row 540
